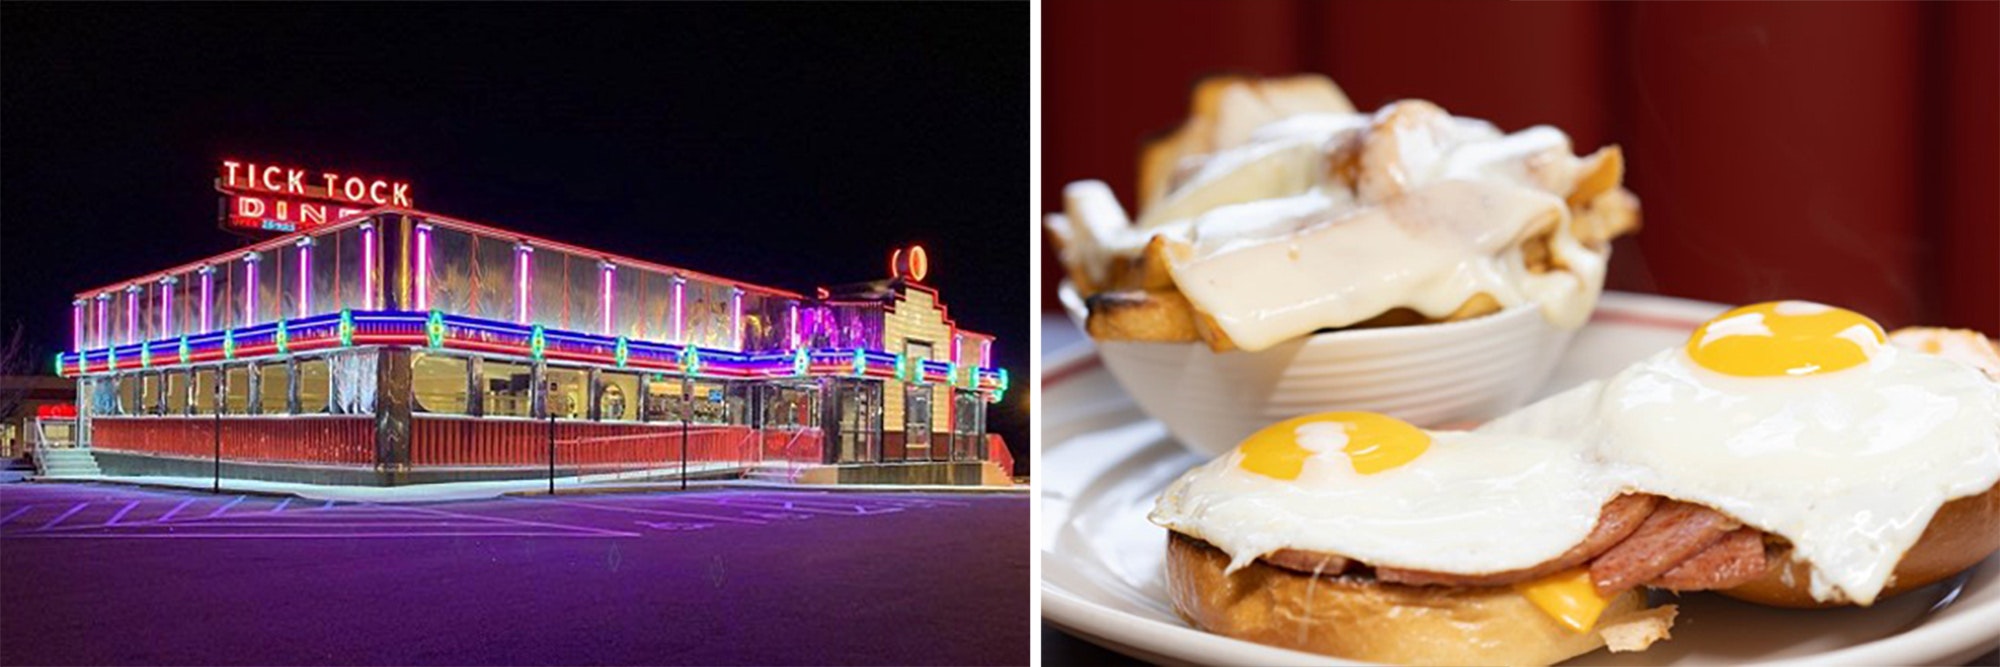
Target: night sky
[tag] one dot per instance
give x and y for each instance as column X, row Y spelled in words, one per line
column 787, row 145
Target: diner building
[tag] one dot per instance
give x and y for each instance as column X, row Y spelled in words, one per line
column 396, row 346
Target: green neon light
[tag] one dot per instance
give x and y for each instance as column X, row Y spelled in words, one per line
column 59, row 364
column 1003, row 379
column 538, row 342
column 434, row 329
column 902, row 367
column 229, row 344
column 283, row 337
column 145, row 356
column 622, row 353
column 347, row 327
column 690, row 360
column 801, row 363
column 860, row 362
column 111, row 359
column 182, row 349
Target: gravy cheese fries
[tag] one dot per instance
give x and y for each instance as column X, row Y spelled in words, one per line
column 1276, row 211
column 1790, row 454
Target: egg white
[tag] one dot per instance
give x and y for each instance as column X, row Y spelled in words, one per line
column 1849, row 465
column 1470, row 504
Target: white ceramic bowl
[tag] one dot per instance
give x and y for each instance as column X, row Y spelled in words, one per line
column 1429, row 375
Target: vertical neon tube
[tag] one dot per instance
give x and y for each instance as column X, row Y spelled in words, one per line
column 249, row 289
column 423, row 267
column 736, row 317
column 305, row 275
column 608, row 272
column 103, row 318
column 522, row 253
column 76, row 325
column 793, row 315
column 367, row 266
column 207, row 297
column 132, row 314
column 167, row 306
column 679, row 314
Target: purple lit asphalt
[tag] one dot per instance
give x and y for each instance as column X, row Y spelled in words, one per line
column 107, row 575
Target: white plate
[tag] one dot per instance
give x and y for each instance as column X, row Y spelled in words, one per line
column 1103, row 462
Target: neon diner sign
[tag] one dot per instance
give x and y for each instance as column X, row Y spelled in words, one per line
column 281, row 198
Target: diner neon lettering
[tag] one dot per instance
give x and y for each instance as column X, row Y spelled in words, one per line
column 333, row 185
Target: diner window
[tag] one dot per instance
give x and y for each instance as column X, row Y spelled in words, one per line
column 204, row 391
column 315, row 386
column 353, row 382
column 711, row 402
column 149, row 394
column 236, row 390
column 506, row 388
column 439, row 383
column 618, row 396
column 274, row 389
column 176, row 383
column 129, row 394
column 568, row 388
column 663, row 398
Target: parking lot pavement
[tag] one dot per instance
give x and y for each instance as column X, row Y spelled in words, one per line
column 100, row 574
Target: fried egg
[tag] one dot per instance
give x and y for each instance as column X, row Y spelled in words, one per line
column 1373, row 488
column 1798, row 419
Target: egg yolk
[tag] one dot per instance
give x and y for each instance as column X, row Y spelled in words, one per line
column 1778, row 338
column 1373, row 443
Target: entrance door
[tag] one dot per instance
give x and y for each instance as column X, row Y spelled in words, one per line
column 917, row 422
column 859, row 422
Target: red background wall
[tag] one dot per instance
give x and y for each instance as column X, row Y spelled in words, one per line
column 1842, row 152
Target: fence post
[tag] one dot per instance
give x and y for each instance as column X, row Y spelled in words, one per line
column 687, row 415
column 552, row 453
column 216, row 487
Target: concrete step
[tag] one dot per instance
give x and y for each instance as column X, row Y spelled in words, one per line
column 67, row 463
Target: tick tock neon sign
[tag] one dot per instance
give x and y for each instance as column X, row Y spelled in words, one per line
column 284, row 199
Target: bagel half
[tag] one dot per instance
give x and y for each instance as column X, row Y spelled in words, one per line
column 1363, row 619
column 1962, row 533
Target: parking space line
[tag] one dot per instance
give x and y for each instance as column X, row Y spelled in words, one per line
column 523, row 522
column 635, row 510
column 121, row 513
column 281, row 506
column 59, row 519
column 338, row 536
column 10, row 515
column 176, row 510
column 224, row 508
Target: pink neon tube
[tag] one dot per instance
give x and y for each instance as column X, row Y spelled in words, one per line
column 103, row 318
column 166, row 309
column 423, row 267
column 207, row 295
column 131, row 315
column 305, row 279
column 736, row 317
column 250, row 291
column 521, row 285
column 76, row 326
column 679, row 314
column 604, row 296
column 368, row 267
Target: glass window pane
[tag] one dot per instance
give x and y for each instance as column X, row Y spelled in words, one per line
column 618, row 396
column 629, row 306
column 451, row 271
column 657, row 323
column 272, row 299
column 546, row 288
column 204, row 391
column 663, row 398
column 586, row 310
column 315, row 386
column 354, row 382
column 236, row 390
column 439, row 383
column 325, row 274
column 494, row 268
column 568, row 388
column 274, row 390
column 508, row 389
column 149, row 394
column 177, row 392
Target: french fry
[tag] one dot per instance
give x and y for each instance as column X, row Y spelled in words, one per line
column 1162, row 316
column 1611, row 214
column 1304, row 93
column 1600, row 172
